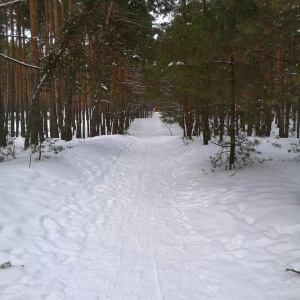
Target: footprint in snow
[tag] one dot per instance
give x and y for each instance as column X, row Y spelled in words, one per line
column 236, row 243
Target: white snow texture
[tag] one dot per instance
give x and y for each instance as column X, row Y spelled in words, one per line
column 135, row 217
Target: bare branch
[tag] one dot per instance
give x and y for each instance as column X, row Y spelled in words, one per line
column 292, row 270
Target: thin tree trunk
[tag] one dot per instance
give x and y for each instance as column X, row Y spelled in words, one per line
column 108, row 119
column 298, row 117
column 294, row 116
column 287, row 120
column 23, row 78
column 12, row 94
column 205, row 126
column 68, row 112
column 280, row 116
column 257, row 123
column 232, row 112
column 53, row 115
column 60, row 109
column 279, row 88
column 2, row 112
column 95, row 117
column 79, row 119
column 222, row 123
column 268, row 120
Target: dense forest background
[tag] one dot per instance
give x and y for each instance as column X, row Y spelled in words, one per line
column 221, row 68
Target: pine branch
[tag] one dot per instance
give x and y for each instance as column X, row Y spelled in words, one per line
column 225, row 145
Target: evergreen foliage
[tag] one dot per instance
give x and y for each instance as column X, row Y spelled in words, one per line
column 246, row 154
column 9, row 151
column 239, row 67
column 91, row 55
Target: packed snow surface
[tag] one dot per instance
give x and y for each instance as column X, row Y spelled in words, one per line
column 136, row 217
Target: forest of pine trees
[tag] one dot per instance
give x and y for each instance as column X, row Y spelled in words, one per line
column 85, row 68
column 69, row 68
column 233, row 68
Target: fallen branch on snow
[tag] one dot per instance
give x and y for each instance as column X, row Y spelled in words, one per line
column 5, row 265
column 292, row 270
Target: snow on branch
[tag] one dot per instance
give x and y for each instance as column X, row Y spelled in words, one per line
column 19, row 62
column 11, row 3
column 40, row 86
column 222, row 62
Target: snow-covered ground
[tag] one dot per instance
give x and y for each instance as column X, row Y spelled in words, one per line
column 135, row 217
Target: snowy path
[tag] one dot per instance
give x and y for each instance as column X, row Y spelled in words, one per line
column 125, row 218
column 137, row 273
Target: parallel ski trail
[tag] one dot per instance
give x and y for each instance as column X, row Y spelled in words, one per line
column 137, row 273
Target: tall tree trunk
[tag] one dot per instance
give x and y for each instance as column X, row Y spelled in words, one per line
column 79, row 119
column 3, row 131
column 258, row 123
column 279, row 89
column 95, row 118
column 68, row 111
column 108, row 119
column 268, row 120
column 280, row 116
column 294, row 116
column 250, row 125
column 298, row 117
column 287, row 120
column 222, row 122
column 60, row 108
column 53, row 115
column 232, row 112
column 35, row 119
column 23, row 79
column 12, row 94
column 7, row 94
column 205, row 127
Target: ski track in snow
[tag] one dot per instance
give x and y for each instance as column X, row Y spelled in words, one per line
column 143, row 225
